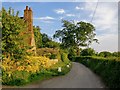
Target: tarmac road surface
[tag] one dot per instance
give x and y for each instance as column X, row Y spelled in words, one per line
column 79, row 77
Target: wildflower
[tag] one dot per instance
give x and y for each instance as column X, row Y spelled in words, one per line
column 68, row 66
column 59, row 69
column 9, row 75
column 20, row 68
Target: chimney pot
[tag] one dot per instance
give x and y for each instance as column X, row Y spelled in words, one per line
column 30, row 8
column 26, row 7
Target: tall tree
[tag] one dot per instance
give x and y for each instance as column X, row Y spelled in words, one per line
column 76, row 34
column 38, row 36
column 45, row 39
column 0, row 34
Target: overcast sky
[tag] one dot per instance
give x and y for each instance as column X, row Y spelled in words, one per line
column 48, row 16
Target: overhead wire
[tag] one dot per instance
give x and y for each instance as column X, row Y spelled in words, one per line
column 94, row 11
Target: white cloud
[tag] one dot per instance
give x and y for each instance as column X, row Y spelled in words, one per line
column 105, row 18
column 90, row 6
column 47, row 21
column 46, row 18
column 61, row 18
column 106, row 22
column 91, row 15
column 70, row 15
column 60, row 11
column 79, row 8
column 108, row 42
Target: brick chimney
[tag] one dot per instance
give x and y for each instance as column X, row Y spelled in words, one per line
column 28, row 17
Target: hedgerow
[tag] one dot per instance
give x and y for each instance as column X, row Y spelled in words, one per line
column 108, row 69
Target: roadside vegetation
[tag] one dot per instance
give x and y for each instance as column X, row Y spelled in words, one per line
column 81, row 34
column 105, row 64
column 20, row 67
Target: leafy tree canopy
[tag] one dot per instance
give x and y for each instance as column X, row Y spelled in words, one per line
column 38, row 36
column 116, row 54
column 88, row 52
column 105, row 54
column 76, row 34
column 48, row 42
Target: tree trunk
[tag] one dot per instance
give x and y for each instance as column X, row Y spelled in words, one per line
column 78, row 51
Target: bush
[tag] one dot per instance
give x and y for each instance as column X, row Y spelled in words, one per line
column 72, row 53
column 17, row 72
column 48, row 52
column 29, row 70
column 116, row 54
column 64, row 58
column 108, row 69
column 52, row 44
column 87, row 52
column 15, row 78
column 105, row 54
column 53, row 56
column 62, row 63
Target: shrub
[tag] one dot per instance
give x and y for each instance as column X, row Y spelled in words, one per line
column 87, row 52
column 64, row 58
column 19, row 71
column 105, row 54
column 31, row 69
column 15, row 78
column 53, row 56
column 47, row 52
column 72, row 53
column 52, row 44
column 116, row 54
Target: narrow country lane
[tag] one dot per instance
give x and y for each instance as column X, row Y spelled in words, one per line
column 79, row 77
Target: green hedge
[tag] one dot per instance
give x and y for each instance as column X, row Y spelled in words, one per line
column 64, row 58
column 63, row 64
column 108, row 69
